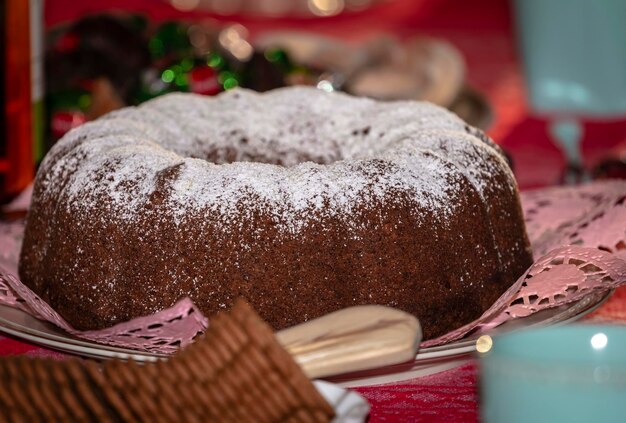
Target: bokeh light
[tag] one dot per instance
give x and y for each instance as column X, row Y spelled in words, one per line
column 326, row 7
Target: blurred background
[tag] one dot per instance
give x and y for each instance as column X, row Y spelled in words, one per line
column 546, row 79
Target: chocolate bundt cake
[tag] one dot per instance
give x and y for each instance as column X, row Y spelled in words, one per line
column 301, row 201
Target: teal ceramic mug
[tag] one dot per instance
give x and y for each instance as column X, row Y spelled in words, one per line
column 561, row 374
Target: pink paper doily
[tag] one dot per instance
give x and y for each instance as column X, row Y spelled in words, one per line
column 163, row 332
column 578, row 233
column 578, row 239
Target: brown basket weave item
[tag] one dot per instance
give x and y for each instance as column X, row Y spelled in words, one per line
column 236, row 372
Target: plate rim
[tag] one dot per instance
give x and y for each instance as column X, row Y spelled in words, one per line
column 426, row 358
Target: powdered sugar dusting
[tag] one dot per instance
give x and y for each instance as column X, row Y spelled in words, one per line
column 125, row 175
column 323, row 152
column 299, row 193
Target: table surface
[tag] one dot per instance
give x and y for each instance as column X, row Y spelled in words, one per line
column 494, row 69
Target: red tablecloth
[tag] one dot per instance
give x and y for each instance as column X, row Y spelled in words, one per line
column 482, row 31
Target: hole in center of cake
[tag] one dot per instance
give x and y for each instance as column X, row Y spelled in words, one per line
column 288, row 148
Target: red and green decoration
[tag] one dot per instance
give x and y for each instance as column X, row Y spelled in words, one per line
column 143, row 62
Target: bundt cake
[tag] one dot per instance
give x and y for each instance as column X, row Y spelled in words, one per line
column 301, row 201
